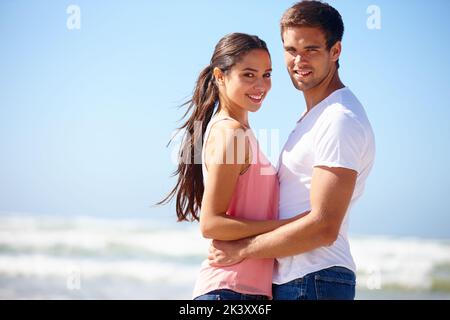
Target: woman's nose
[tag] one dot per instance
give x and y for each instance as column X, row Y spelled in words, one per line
column 260, row 84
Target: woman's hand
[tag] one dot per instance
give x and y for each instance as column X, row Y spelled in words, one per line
column 227, row 253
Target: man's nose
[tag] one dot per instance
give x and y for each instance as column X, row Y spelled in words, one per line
column 297, row 59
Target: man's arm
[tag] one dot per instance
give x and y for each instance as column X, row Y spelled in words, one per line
column 331, row 192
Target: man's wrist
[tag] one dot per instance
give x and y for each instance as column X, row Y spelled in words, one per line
column 246, row 248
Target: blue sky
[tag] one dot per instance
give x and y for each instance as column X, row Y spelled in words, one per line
column 85, row 114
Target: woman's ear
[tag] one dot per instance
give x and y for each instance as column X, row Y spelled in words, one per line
column 219, row 76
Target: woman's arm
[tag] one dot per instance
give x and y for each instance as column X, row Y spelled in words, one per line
column 219, row 188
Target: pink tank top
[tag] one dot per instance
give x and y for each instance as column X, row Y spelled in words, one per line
column 255, row 197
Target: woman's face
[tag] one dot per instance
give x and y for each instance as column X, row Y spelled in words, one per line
column 247, row 83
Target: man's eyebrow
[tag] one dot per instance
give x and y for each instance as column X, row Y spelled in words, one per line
column 313, row 46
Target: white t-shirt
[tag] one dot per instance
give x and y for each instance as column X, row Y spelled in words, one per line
column 334, row 133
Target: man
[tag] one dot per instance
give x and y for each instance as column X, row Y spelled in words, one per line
column 323, row 167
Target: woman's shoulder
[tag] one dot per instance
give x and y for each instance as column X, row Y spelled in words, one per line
column 227, row 123
column 229, row 137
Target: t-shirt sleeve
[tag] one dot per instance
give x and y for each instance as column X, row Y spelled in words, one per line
column 339, row 142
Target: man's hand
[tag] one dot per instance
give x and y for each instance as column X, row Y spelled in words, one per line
column 226, row 253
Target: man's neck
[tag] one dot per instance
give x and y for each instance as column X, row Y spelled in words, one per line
column 315, row 95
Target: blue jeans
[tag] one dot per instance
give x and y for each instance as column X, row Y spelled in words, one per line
column 335, row 283
column 226, row 294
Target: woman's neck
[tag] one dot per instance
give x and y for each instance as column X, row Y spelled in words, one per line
column 237, row 114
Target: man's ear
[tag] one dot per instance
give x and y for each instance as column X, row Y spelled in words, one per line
column 335, row 51
column 219, row 76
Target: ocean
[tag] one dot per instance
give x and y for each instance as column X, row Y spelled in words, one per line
column 51, row 257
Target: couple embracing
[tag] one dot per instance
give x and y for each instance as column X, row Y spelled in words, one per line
column 277, row 233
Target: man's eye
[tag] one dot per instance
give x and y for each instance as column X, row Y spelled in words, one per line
column 249, row 75
column 267, row 75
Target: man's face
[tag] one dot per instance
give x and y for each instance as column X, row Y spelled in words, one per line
column 306, row 56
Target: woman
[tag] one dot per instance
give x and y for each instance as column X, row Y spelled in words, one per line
column 235, row 186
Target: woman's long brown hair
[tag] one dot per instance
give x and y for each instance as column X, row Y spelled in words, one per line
column 189, row 187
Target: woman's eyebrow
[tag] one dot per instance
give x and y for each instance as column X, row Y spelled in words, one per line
column 254, row 70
